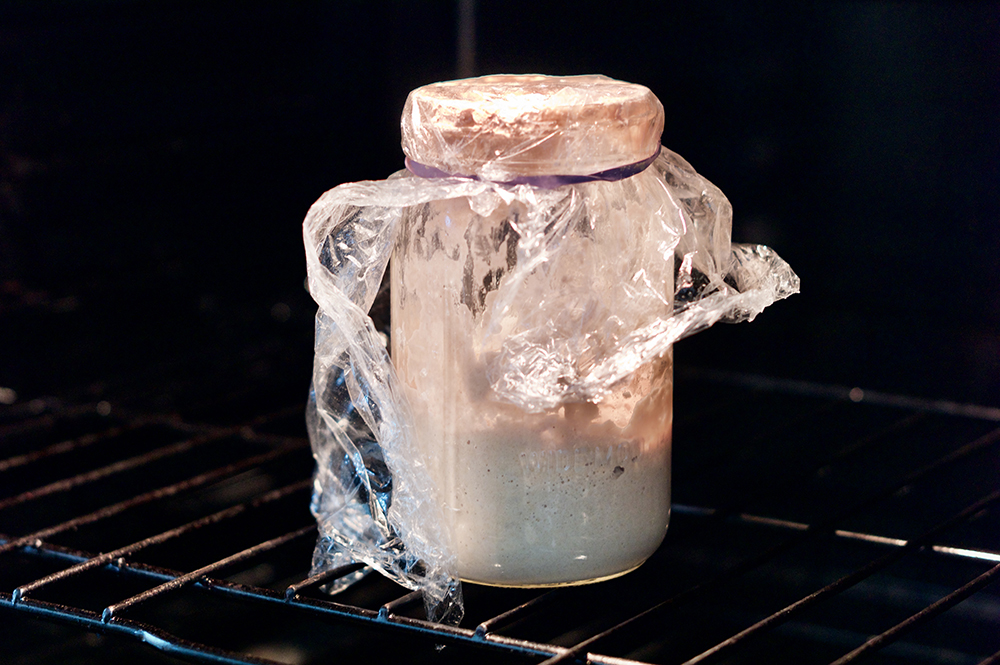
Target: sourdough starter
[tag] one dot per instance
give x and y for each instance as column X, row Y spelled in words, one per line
column 572, row 495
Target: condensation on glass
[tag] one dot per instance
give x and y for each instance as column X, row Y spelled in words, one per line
column 575, row 492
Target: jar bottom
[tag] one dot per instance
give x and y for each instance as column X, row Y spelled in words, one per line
column 553, row 585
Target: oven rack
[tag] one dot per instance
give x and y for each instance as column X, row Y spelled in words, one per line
column 811, row 524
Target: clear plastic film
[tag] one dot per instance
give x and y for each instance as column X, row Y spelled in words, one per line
column 547, row 126
column 546, row 338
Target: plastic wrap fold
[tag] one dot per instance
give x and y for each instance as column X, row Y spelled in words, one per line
column 548, row 343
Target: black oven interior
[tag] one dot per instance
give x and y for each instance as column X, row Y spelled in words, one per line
column 836, row 461
column 839, row 527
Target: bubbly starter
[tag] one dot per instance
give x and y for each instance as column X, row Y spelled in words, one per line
column 570, row 495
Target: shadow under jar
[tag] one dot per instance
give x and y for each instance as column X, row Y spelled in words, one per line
column 567, row 494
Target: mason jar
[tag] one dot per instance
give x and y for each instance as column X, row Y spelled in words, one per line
column 534, row 494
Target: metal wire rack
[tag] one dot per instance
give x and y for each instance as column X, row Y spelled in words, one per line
column 811, row 524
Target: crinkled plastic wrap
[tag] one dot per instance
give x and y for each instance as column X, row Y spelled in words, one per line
column 551, row 340
column 477, row 127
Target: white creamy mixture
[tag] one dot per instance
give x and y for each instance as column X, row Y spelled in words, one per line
column 553, row 498
column 560, row 498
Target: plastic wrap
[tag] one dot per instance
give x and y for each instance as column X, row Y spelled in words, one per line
column 547, row 126
column 547, row 340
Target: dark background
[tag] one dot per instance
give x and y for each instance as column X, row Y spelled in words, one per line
column 157, row 158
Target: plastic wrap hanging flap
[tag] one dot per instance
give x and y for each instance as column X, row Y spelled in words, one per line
column 546, row 344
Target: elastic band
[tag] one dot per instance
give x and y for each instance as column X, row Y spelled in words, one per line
column 543, row 181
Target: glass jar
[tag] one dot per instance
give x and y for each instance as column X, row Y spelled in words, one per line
column 578, row 491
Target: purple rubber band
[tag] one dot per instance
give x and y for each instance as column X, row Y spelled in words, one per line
column 543, row 181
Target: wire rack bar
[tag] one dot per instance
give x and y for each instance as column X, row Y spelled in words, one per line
column 992, row 660
column 145, row 633
column 42, row 419
column 69, row 445
column 958, row 552
column 847, row 581
column 67, row 484
column 923, row 615
column 340, row 610
column 968, row 553
column 322, row 578
column 428, row 629
column 36, row 538
column 490, row 625
column 393, row 606
column 989, row 439
column 327, row 606
column 854, row 394
column 484, row 634
column 792, row 477
column 103, row 559
column 111, row 611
